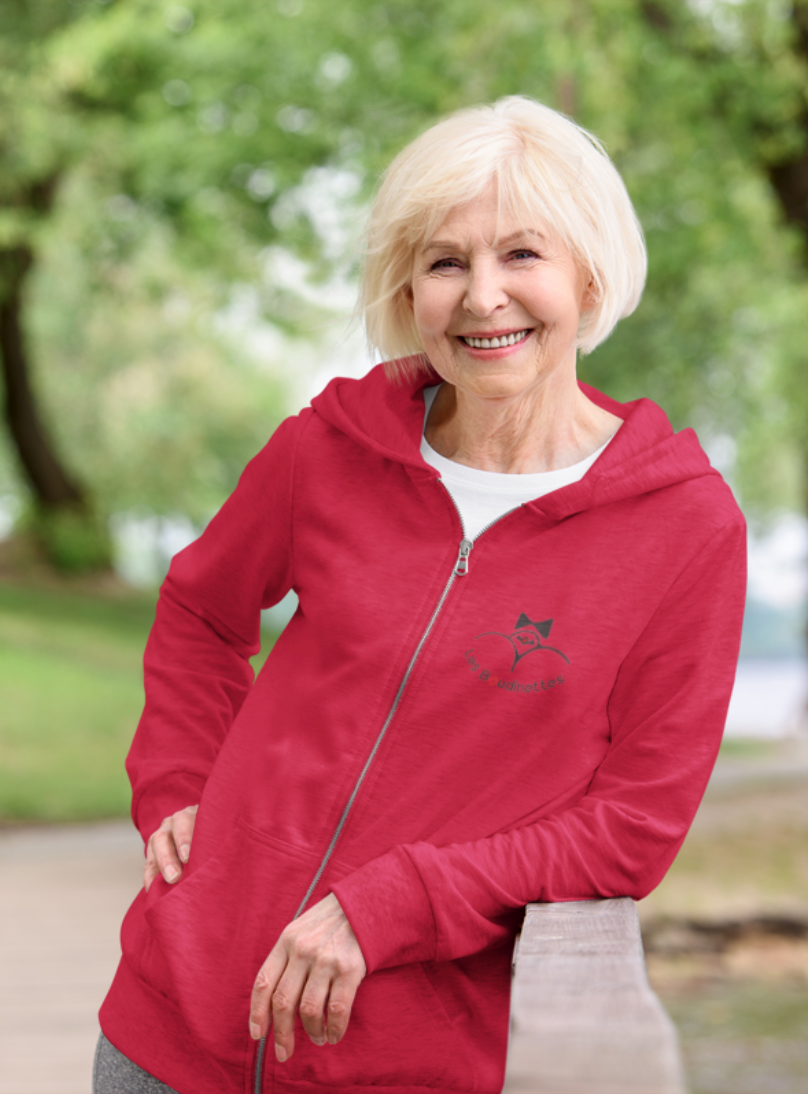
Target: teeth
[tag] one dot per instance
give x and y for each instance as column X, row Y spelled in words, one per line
column 496, row 343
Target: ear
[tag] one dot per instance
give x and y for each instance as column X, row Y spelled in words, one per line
column 590, row 296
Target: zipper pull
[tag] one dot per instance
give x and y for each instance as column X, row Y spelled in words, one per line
column 462, row 564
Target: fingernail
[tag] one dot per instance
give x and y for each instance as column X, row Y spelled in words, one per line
column 318, row 1041
column 172, row 873
column 332, row 1038
column 185, row 851
column 255, row 1031
column 280, row 1052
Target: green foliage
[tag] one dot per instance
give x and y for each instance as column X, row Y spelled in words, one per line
column 187, row 137
column 157, row 408
column 73, row 540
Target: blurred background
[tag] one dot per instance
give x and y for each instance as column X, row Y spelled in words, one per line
column 182, row 193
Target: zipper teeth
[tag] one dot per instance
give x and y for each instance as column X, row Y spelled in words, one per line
column 357, row 785
column 490, row 524
column 376, row 746
column 349, row 805
column 457, row 510
column 496, row 520
column 259, row 1065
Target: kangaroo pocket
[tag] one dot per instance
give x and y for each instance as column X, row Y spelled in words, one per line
column 399, row 1035
column 211, row 933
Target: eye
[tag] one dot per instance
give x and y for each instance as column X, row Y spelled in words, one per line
column 445, row 264
column 524, row 253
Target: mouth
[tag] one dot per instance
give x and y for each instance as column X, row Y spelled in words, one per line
column 497, row 341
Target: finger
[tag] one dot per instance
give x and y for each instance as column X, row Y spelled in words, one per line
column 261, row 999
column 340, row 1003
column 312, row 1004
column 183, row 830
column 165, row 854
column 285, row 1001
column 150, row 872
column 150, row 868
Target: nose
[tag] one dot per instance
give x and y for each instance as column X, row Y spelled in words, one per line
column 485, row 291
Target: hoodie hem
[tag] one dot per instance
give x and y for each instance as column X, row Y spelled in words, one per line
column 134, row 1015
column 292, row 1086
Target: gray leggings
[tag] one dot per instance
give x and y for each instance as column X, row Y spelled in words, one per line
column 114, row 1073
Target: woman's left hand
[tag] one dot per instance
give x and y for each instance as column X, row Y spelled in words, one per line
column 315, row 966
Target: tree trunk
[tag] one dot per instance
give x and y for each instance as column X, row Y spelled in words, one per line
column 52, row 486
column 789, row 178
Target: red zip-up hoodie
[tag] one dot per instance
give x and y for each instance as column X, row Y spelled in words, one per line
column 442, row 733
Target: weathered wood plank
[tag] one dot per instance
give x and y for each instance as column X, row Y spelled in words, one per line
column 583, row 1017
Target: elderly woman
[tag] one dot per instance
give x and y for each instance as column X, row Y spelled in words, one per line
column 506, row 680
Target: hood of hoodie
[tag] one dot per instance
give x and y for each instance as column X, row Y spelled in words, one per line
column 645, row 454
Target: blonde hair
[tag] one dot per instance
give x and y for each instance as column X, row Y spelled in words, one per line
column 544, row 166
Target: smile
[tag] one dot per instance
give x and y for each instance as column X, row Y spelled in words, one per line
column 496, row 343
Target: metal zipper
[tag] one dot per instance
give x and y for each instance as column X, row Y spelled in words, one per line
column 461, row 569
column 259, row 1065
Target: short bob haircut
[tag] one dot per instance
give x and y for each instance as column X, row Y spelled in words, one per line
column 546, row 169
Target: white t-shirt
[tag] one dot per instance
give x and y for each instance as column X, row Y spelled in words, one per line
column 482, row 497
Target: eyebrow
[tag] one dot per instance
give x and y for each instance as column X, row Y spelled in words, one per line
column 449, row 244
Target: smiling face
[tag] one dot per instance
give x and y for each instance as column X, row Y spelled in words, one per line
column 497, row 307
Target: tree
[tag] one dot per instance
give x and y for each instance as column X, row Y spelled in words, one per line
column 204, row 123
column 756, row 56
column 30, row 179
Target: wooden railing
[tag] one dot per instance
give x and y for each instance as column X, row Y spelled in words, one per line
column 583, row 1017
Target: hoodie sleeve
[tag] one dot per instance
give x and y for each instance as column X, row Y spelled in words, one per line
column 197, row 670
column 667, row 711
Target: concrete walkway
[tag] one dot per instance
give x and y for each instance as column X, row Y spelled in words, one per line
column 63, row 894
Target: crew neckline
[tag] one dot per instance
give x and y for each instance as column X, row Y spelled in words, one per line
column 501, row 481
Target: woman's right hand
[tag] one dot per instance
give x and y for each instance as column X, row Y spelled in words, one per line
column 170, row 846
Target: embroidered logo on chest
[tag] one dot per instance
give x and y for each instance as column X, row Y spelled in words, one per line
column 498, row 657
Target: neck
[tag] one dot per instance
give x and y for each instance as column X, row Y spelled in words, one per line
column 546, row 430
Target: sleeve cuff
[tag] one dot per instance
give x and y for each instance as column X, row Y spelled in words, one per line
column 389, row 910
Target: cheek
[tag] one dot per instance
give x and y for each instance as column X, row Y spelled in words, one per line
column 557, row 306
column 432, row 311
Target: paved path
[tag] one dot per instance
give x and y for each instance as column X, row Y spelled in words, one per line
column 63, row 895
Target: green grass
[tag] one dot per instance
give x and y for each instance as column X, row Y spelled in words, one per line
column 749, row 748
column 70, row 697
